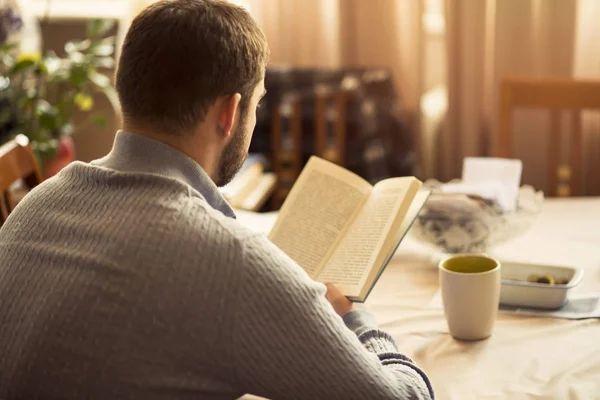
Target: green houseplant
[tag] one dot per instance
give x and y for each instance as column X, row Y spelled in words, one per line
column 42, row 93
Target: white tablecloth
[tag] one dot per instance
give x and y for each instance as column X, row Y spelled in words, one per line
column 526, row 358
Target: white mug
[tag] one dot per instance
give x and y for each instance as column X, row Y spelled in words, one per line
column 470, row 286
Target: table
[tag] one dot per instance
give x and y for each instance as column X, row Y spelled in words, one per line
column 526, row 358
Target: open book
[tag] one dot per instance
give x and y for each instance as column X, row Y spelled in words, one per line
column 343, row 230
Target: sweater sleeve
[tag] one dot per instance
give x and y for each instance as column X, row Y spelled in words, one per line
column 289, row 343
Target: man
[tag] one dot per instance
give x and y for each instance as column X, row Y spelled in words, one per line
column 130, row 278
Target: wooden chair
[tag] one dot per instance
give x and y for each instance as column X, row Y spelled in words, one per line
column 17, row 161
column 330, row 110
column 556, row 95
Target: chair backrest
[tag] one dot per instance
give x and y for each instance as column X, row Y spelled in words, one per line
column 331, row 145
column 556, row 95
column 17, row 161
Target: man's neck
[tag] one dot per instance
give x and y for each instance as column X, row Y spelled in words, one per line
column 204, row 154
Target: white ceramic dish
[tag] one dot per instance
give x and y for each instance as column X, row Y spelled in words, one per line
column 516, row 291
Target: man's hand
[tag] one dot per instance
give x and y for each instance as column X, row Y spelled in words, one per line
column 340, row 303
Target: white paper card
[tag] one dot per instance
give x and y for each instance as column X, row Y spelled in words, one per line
column 482, row 170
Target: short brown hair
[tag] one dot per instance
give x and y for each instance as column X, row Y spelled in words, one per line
column 179, row 56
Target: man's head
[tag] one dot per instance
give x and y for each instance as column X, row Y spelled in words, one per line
column 191, row 73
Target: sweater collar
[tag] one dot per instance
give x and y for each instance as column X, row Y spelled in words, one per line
column 136, row 153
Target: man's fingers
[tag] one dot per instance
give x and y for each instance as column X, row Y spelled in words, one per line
column 340, row 303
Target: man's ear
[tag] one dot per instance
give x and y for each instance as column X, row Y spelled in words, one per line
column 229, row 108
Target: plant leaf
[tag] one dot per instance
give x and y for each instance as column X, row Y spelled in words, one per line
column 77, row 57
column 46, row 149
column 100, row 80
column 107, row 40
column 78, row 74
column 47, row 117
column 7, row 60
column 41, row 69
column 53, row 64
column 104, row 62
column 43, row 106
column 6, row 47
column 21, row 66
column 4, row 83
column 47, row 122
column 77, row 46
column 67, row 130
column 98, row 27
column 5, row 116
column 103, row 50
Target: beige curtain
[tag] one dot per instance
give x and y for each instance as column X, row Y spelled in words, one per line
column 300, row 33
column 334, row 33
column 491, row 39
column 386, row 33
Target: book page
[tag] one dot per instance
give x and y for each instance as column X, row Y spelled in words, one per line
column 320, row 207
column 350, row 263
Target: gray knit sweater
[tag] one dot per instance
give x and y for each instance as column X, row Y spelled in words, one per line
column 130, row 278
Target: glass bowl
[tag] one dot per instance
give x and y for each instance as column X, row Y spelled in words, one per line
column 460, row 223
